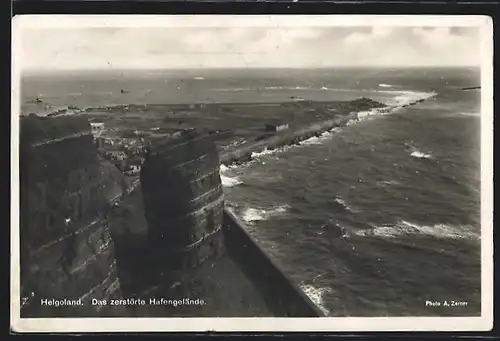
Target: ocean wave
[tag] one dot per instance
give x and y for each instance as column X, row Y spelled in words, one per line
column 364, row 114
column 311, row 141
column 405, row 228
column 474, row 114
column 385, row 85
column 224, row 168
column 351, row 122
column 251, row 215
column 420, row 155
column 226, row 179
column 387, row 183
column 317, row 294
column 316, row 140
column 266, row 152
column 342, row 203
column 230, row 182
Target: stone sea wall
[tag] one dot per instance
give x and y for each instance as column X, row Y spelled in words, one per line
column 244, row 152
column 65, row 191
column 283, row 296
column 344, row 112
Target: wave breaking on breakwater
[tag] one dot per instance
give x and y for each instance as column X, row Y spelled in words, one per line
column 229, row 182
column 404, row 99
column 317, row 294
column 226, row 179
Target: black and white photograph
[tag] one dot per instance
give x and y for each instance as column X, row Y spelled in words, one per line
column 252, row 173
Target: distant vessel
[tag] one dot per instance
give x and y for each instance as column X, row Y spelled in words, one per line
column 123, row 91
column 324, row 88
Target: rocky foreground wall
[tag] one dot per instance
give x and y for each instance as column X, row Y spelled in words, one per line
column 67, row 255
column 164, row 240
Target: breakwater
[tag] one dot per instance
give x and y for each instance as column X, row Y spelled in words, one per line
column 295, row 135
column 244, row 152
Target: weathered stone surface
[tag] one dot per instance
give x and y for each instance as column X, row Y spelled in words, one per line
column 66, row 249
column 183, row 201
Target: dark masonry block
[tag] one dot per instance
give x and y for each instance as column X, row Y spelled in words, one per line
column 85, row 285
column 58, row 158
column 183, row 200
column 66, row 249
column 91, row 237
column 35, row 129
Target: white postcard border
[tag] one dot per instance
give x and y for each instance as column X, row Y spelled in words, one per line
column 341, row 324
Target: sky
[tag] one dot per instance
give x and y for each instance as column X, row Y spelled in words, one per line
column 247, row 47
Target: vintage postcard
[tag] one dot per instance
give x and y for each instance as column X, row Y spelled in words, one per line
column 252, row 173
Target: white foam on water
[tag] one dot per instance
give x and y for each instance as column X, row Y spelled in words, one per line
column 371, row 113
column 403, row 98
column 231, row 89
column 351, row 122
column 223, row 168
column 342, row 203
column 263, row 153
column 229, row 182
column 251, row 215
column 317, row 294
column 387, row 182
column 316, row 140
column 420, row 155
column 385, row 85
column 474, row 114
column 405, row 228
column 266, row 152
column 311, row 141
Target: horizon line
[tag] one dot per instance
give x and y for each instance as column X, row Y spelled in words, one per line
column 33, row 70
